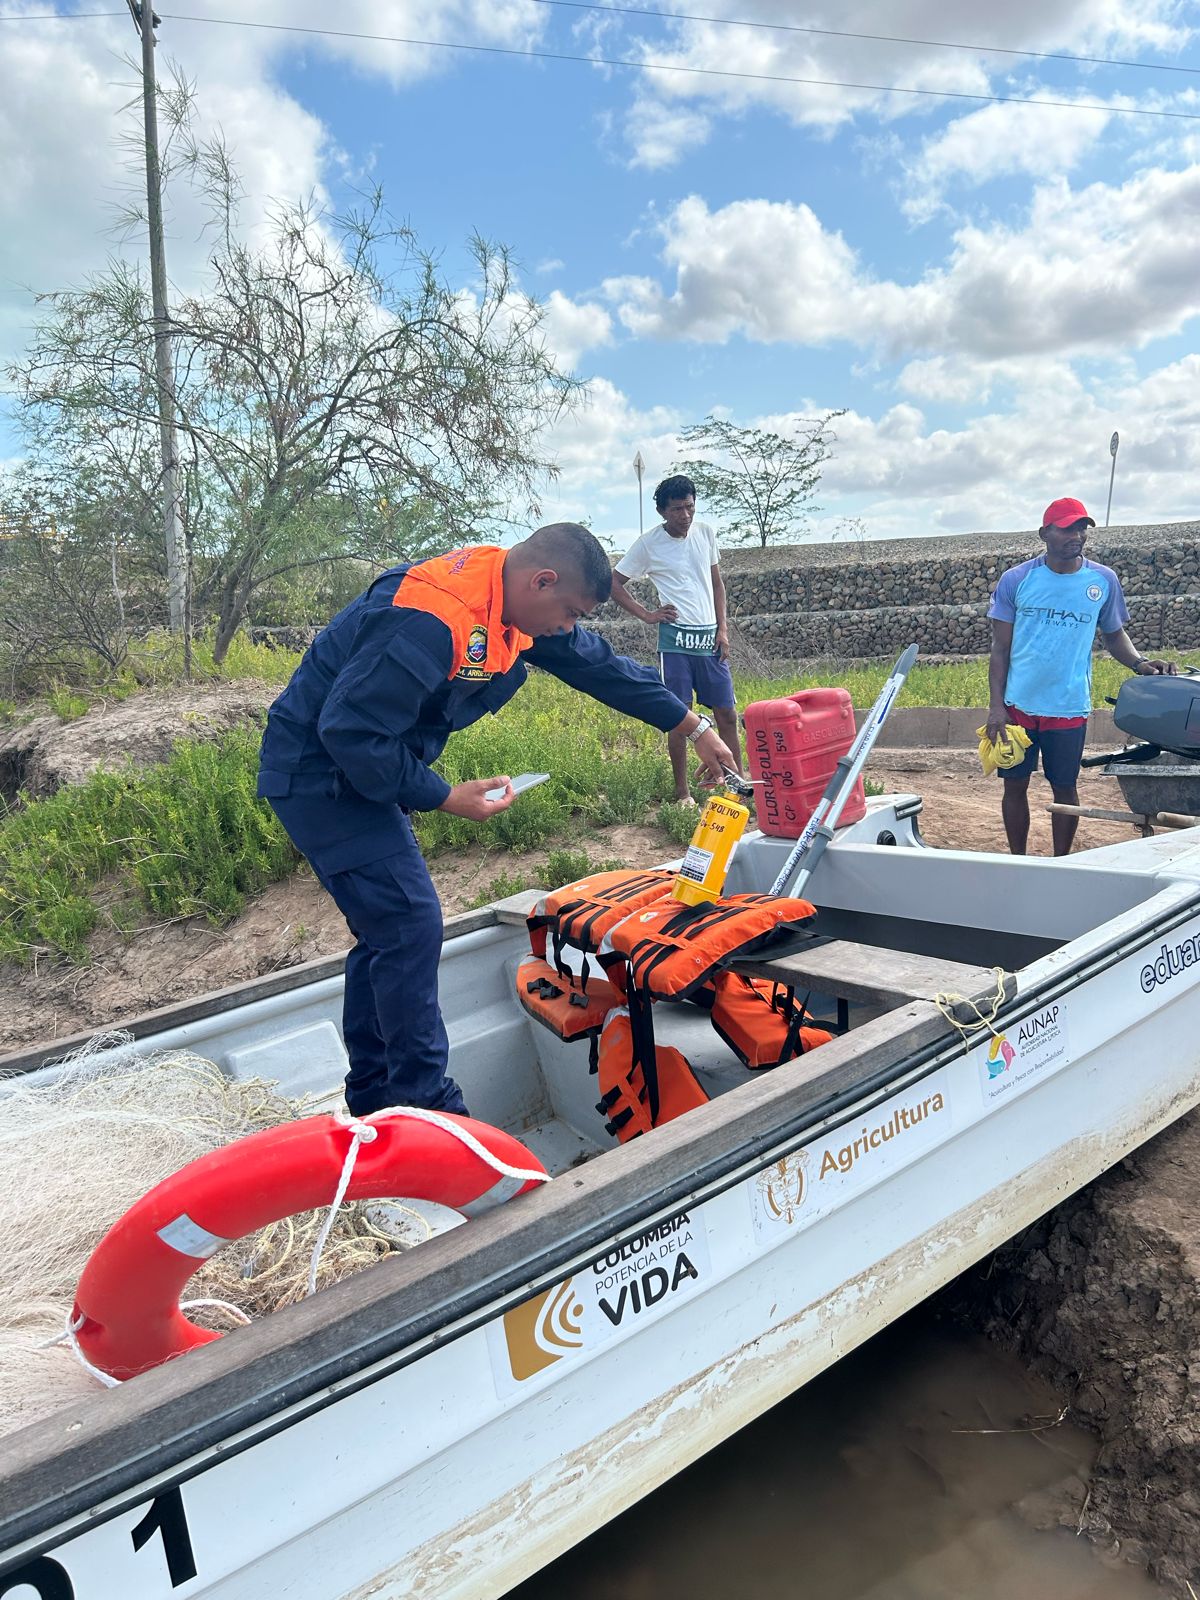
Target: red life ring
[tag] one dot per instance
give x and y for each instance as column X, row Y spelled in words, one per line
column 126, row 1315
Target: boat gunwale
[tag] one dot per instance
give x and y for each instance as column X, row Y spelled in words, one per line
column 175, row 1421
column 215, row 1002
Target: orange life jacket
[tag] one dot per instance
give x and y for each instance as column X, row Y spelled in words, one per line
column 582, row 913
column 672, row 949
column 465, row 590
column 634, row 1099
column 571, row 1007
column 652, row 947
column 760, row 1021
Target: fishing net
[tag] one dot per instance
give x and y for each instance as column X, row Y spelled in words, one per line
column 79, row 1146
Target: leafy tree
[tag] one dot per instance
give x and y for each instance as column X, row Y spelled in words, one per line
column 334, row 391
column 762, row 483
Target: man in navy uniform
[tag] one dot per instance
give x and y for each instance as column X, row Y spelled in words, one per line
column 430, row 648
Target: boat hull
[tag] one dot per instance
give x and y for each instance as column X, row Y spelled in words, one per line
column 604, row 1335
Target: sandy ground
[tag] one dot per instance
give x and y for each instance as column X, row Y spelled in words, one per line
column 962, row 807
column 289, row 922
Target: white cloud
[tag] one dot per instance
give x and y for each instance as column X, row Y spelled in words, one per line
column 1000, row 470
column 1000, row 140
column 1099, row 269
column 595, row 449
column 65, row 85
column 766, row 56
column 906, row 477
column 768, row 269
column 572, row 327
column 968, row 380
column 659, row 130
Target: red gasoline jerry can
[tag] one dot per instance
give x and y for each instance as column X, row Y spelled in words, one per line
column 792, row 746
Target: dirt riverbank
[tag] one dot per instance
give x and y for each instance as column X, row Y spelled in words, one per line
column 1101, row 1297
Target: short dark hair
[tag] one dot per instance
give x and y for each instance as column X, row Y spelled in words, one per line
column 676, row 488
column 570, row 544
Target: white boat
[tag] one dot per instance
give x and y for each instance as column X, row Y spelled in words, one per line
column 445, row 1424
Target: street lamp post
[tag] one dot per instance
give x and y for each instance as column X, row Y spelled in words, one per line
column 1113, row 445
column 639, row 466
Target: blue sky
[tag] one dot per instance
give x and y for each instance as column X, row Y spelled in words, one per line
column 987, row 289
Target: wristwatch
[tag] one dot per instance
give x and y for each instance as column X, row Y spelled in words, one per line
column 701, row 728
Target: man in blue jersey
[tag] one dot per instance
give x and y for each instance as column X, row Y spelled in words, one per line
column 1045, row 614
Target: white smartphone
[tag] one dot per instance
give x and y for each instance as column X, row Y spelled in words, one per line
column 527, row 780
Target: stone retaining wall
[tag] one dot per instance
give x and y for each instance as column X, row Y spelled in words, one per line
column 802, row 608
column 799, row 602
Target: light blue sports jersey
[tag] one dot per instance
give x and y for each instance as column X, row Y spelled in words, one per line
column 1055, row 616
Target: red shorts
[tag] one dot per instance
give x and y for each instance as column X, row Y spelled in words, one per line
column 1043, row 724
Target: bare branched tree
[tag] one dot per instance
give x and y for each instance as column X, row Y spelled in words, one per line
column 81, row 574
column 328, row 377
column 761, row 482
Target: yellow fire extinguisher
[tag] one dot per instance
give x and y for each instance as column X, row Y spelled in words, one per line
column 702, row 872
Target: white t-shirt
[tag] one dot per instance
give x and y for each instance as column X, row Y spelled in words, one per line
column 681, row 570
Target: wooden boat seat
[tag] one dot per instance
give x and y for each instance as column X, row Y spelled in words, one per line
column 869, row 975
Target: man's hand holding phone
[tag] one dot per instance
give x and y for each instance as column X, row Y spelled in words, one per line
column 482, row 798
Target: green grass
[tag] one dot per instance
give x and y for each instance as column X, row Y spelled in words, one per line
column 953, row 683
column 65, row 703
column 604, row 768
column 559, row 867
column 154, row 662
column 678, row 822
column 184, row 838
column 189, row 837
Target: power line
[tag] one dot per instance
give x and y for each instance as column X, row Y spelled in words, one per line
column 663, row 66
column 770, row 27
column 877, row 38
column 717, row 72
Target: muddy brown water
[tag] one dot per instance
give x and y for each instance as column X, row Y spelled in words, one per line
column 918, row 1468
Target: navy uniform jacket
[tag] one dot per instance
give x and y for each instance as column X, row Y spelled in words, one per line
column 393, row 675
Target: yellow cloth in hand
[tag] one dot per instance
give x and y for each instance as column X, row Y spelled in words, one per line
column 1006, row 752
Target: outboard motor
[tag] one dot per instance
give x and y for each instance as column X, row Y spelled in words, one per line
column 1161, row 775
column 1162, row 710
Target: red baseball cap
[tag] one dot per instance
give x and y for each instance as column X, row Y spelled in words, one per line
column 1062, row 513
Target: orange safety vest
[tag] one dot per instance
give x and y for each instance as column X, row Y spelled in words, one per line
column 651, row 948
column 760, row 1020
column 583, row 912
column 465, row 590
column 570, row 1006
column 642, row 1087
column 673, row 949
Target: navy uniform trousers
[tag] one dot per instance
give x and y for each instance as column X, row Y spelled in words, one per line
column 391, row 1021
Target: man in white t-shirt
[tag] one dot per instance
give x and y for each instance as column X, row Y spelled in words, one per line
column 680, row 557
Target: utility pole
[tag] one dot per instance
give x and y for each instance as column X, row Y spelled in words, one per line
column 145, row 21
column 639, row 466
column 1113, row 443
